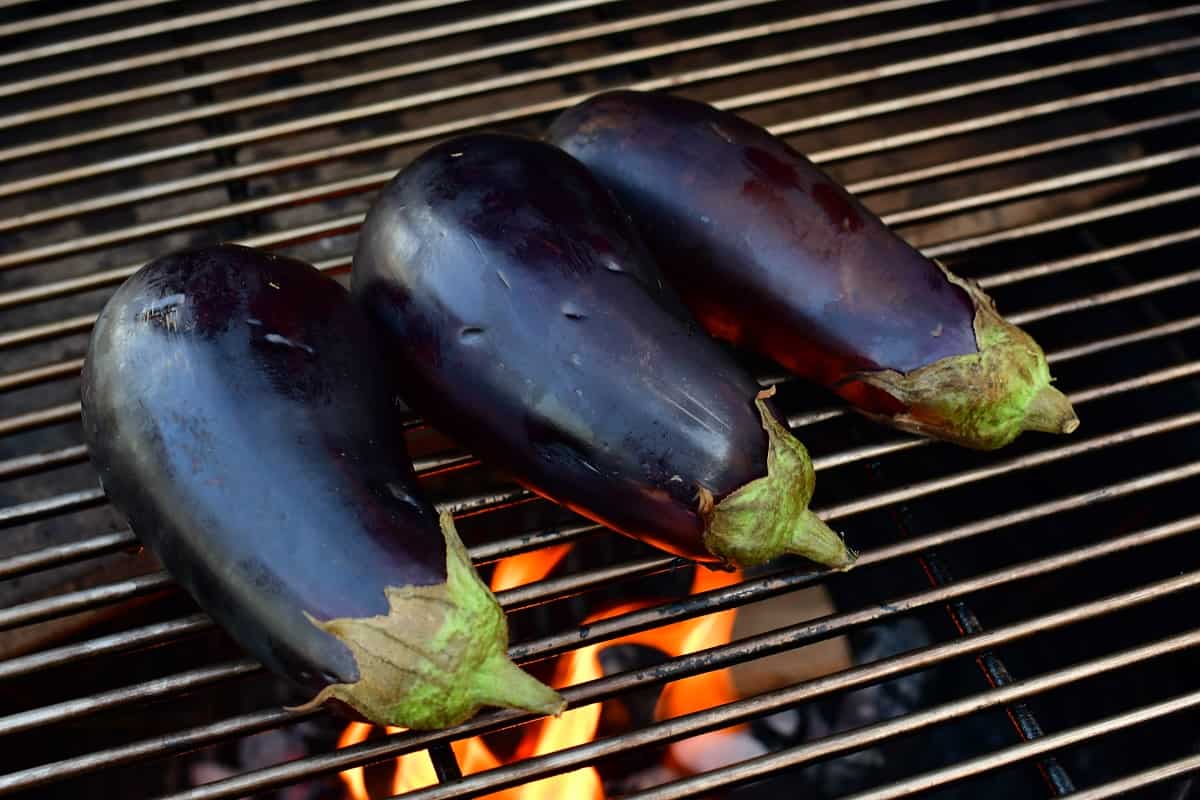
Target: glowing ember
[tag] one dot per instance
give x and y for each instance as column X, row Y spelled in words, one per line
column 578, row 725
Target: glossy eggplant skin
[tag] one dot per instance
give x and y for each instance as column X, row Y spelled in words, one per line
column 532, row 325
column 239, row 416
column 770, row 253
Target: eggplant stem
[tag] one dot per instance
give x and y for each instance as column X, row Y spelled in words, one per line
column 1050, row 411
column 439, row 653
column 769, row 517
column 981, row 400
column 500, row 682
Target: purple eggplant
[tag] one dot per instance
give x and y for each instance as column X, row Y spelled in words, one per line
column 771, row 254
column 530, row 323
column 237, row 412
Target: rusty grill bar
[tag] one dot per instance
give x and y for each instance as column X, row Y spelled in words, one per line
column 134, row 127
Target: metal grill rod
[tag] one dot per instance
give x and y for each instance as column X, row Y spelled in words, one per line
column 1089, row 258
column 246, row 723
column 1105, row 298
column 587, row 65
column 129, row 639
column 821, row 157
column 276, row 96
column 1046, row 147
column 39, row 419
column 1027, row 461
column 76, row 15
column 208, row 48
column 82, row 600
column 1145, row 334
column 868, row 735
column 70, row 367
column 981, row 86
column 528, row 595
column 70, row 603
column 74, row 501
column 1001, row 118
column 70, row 286
column 1122, row 488
column 1031, row 188
column 132, row 32
column 67, row 368
column 674, row 669
column 1145, row 203
column 373, row 180
column 57, row 555
column 78, row 324
column 1141, row 780
column 759, row 705
column 143, row 692
column 1011, row 755
column 43, row 374
column 49, row 330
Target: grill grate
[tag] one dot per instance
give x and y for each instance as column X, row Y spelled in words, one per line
column 1043, row 148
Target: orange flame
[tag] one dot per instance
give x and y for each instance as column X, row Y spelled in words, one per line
column 577, row 725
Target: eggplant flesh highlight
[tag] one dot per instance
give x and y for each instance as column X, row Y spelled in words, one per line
column 530, row 323
column 235, row 409
column 771, row 254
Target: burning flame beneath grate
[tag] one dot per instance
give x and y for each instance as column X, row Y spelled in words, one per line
column 577, row 725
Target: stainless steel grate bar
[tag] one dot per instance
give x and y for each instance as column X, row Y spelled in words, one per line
column 145, row 636
column 749, row 708
column 713, row 658
column 27, row 512
column 143, row 692
column 40, row 462
column 105, row 543
column 373, row 180
column 43, row 374
column 1116, row 490
column 1036, row 747
column 69, row 286
column 1056, row 183
column 367, row 77
column 863, row 737
column 151, row 29
column 532, row 110
column 82, row 600
column 531, row 594
column 250, row 722
column 54, row 415
column 1142, row 780
column 77, row 15
column 1148, row 44
column 199, row 49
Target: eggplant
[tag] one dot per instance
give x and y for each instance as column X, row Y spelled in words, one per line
column 771, row 254
column 530, row 323
column 235, row 407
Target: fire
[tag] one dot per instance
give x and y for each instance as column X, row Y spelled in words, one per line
column 577, row 725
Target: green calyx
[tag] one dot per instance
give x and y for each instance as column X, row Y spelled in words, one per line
column 981, row 400
column 769, row 517
column 437, row 656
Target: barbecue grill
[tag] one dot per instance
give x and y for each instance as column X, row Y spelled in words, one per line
column 1046, row 149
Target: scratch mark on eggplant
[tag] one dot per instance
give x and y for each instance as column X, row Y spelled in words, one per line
column 719, row 131
column 275, row 338
column 720, row 421
column 499, row 273
column 164, row 312
column 699, row 421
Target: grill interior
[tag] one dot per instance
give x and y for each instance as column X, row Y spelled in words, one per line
column 1046, row 149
